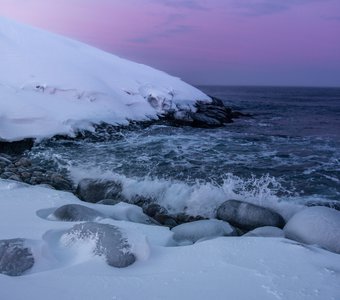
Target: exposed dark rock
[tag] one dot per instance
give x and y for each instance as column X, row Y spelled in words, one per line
column 153, row 208
column 94, row 190
column 15, row 257
column 109, row 201
column 108, row 239
column 60, row 183
column 184, row 218
column 76, row 212
column 17, row 147
column 248, row 216
column 165, row 220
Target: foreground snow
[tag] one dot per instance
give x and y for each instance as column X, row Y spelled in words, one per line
column 50, row 84
column 221, row 268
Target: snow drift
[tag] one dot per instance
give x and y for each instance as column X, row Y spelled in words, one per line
column 51, row 85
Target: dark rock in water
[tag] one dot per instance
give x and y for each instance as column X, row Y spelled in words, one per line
column 23, row 162
column 17, row 147
column 141, row 201
column 165, row 220
column 207, row 115
column 108, row 239
column 330, row 204
column 153, row 208
column 202, row 229
column 184, row 218
column 15, row 257
column 60, row 183
column 76, row 212
column 248, row 216
column 92, row 190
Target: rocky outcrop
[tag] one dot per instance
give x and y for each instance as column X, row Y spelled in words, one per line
column 16, row 147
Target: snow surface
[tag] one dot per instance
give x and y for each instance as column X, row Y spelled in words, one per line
column 51, row 85
column 222, row 268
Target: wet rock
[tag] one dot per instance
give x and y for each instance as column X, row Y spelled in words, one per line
column 184, row 218
column 15, row 177
column 248, row 216
column 153, row 208
column 202, row 229
column 17, row 147
column 92, row 190
column 108, row 239
column 15, row 257
column 23, row 162
column 165, row 220
column 76, row 212
column 266, row 231
column 60, row 183
column 316, row 225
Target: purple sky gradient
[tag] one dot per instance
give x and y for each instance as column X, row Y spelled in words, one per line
column 247, row 42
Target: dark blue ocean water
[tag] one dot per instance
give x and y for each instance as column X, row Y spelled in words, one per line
column 288, row 150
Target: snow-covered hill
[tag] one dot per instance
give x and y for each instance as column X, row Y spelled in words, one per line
column 51, row 85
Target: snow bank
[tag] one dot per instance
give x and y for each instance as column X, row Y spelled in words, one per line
column 316, row 225
column 225, row 267
column 50, row 85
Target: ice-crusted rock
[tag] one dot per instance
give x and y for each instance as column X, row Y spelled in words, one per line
column 94, row 190
column 130, row 212
column 316, row 225
column 15, row 257
column 248, row 216
column 76, row 212
column 202, row 229
column 107, row 240
column 266, row 231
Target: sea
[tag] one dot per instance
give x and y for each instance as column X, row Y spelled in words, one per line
column 286, row 152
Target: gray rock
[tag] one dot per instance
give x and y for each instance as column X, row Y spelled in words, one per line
column 109, row 201
column 153, row 208
column 202, row 229
column 91, row 190
column 60, row 183
column 109, row 242
column 76, row 212
column 23, row 162
column 15, row 177
column 248, row 216
column 15, row 257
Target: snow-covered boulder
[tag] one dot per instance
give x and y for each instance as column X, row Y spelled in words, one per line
column 75, row 212
column 248, row 216
column 15, row 257
column 266, row 231
column 316, row 225
column 203, row 229
column 130, row 212
column 94, row 190
column 106, row 240
column 52, row 85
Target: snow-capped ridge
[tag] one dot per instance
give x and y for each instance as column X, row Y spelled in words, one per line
column 56, row 85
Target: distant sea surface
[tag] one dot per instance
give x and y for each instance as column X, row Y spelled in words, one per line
column 289, row 150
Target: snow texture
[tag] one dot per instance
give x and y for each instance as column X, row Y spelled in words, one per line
column 266, row 231
column 51, row 85
column 232, row 267
column 316, row 225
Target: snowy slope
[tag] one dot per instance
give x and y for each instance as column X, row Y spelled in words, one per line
column 51, row 84
column 244, row 268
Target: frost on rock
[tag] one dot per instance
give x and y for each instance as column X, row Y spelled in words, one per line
column 202, row 229
column 76, row 212
column 15, row 257
column 316, row 225
column 107, row 241
column 248, row 216
column 266, row 231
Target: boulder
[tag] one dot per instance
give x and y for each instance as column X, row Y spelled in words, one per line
column 107, row 239
column 15, row 257
column 94, row 190
column 248, row 216
column 316, row 225
column 109, row 201
column 76, row 212
column 266, row 231
column 202, row 229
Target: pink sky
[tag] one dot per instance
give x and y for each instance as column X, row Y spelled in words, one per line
column 256, row 42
